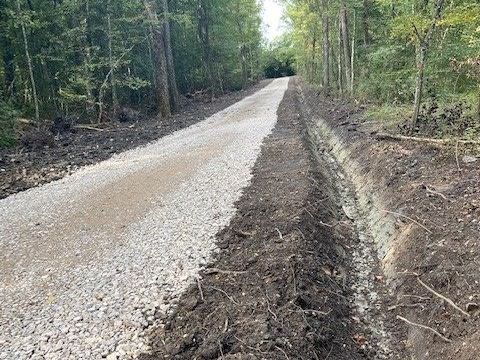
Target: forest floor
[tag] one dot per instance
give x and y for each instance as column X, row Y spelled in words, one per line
column 22, row 168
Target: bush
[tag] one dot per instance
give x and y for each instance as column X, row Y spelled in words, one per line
column 7, row 125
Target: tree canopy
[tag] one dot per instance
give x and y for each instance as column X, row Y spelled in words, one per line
column 89, row 58
column 389, row 51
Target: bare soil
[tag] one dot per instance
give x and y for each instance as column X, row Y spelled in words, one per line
column 22, row 168
column 280, row 286
column 432, row 194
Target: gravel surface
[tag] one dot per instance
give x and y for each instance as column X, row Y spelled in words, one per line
column 84, row 260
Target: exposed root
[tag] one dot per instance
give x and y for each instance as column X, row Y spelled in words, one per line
column 424, row 327
column 444, row 298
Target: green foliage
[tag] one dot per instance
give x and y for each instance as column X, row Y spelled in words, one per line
column 89, row 51
column 279, row 58
column 386, row 36
column 8, row 118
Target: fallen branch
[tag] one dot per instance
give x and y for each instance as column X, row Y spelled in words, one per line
column 317, row 312
column 424, row 327
column 284, row 353
column 386, row 136
column 210, row 271
column 449, row 301
column 228, row 296
column 86, row 127
column 435, row 192
column 200, row 289
column 409, row 218
column 243, row 233
column 279, row 234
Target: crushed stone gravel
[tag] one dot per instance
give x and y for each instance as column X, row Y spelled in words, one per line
column 84, row 260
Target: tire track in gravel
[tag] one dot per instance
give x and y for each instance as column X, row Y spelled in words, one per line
column 87, row 261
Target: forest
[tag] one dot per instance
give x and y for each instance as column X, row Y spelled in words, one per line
column 411, row 59
column 94, row 59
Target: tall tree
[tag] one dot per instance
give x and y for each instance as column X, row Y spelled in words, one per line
column 345, row 40
column 172, row 80
column 161, row 67
column 325, row 47
column 29, row 61
column 6, row 46
column 424, row 38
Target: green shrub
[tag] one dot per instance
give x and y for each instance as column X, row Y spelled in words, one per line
column 7, row 125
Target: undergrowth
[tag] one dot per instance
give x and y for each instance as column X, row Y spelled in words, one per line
column 446, row 118
column 7, row 125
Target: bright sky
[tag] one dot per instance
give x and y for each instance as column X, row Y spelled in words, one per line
column 273, row 25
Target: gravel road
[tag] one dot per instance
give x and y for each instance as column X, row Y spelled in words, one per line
column 86, row 262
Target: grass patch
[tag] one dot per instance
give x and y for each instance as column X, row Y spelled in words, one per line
column 389, row 116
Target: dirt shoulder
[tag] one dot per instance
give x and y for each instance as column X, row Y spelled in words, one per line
column 279, row 286
column 22, row 168
column 424, row 208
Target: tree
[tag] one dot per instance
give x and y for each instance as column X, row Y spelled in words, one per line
column 29, row 61
column 424, row 37
column 325, row 47
column 160, row 57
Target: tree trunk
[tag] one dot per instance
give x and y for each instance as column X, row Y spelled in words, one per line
column 478, row 103
column 172, row 80
column 346, row 46
column 111, row 63
column 162, row 92
column 204, row 36
column 88, row 45
column 325, row 48
column 314, row 52
column 339, row 57
column 421, row 58
column 365, row 16
column 30, row 65
column 242, row 47
column 422, row 49
column 8, row 55
column 352, row 60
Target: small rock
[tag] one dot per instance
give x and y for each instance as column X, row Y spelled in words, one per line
column 469, row 159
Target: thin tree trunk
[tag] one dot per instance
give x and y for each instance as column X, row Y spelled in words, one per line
column 421, row 57
column 422, row 49
column 325, row 48
column 30, row 65
column 204, row 36
column 352, row 60
column 339, row 56
column 242, row 49
column 346, row 46
column 111, row 63
column 90, row 106
column 478, row 103
column 172, row 80
column 8, row 55
column 365, row 16
column 161, row 71
column 314, row 51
